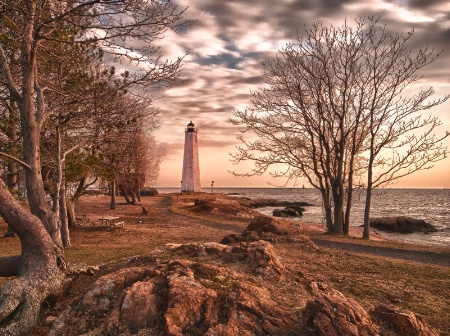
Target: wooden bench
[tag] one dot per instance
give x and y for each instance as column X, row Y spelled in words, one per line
column 118, row 224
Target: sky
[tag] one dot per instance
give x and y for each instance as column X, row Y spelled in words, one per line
column 222, row 66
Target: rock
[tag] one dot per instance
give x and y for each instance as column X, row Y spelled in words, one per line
column 140, row 306
column 184, row 297
column 261, row 256
column 403, row 322
column 286, row 212
column 222, row 206
column 258, row 254
column 82, row 269
column 332, row 314
column 189, row 302
column 176, row 294
column 107, row 287
column 297, row 208
column 401, row 224
column 261, row 224
column 266, row 228
column 235, row 238
column 50, row 320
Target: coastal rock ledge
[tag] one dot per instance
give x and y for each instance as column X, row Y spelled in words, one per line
column 402, row 224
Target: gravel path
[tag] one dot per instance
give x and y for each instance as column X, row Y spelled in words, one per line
column 434, row 258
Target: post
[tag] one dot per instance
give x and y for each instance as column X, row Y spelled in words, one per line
column 212, row 187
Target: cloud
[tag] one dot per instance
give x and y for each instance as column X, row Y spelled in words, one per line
column 225, row 47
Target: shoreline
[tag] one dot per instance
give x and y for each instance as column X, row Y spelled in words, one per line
column 354, row 231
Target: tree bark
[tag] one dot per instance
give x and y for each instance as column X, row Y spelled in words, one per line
column 72, row 202
column 133, row 198
column 41, row 258
column 366, row 232
column 9, row 232
column 65, row 235
column 138, row 192
column 70, row 210
column 125, row 194
column 112, row 205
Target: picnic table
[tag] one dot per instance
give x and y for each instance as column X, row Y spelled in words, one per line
column 110, row 221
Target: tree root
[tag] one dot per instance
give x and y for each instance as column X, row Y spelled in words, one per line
column 21, row 299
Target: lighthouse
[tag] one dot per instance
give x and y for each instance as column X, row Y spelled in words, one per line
column 191, row 169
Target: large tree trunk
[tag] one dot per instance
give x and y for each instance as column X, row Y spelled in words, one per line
column 41, row 258
column 133, row 198
column 112, row 205
column 327, row 209
column 70, row 210
column 366, row 232
column 71, row 203
column 31, row 123
column 125, row 194
column 338, row 201
column 59, row 197
column 138, row 191
column 65, row 235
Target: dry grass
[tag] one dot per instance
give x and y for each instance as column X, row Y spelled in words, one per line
column 371, row 280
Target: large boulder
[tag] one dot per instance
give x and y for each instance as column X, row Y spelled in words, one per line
column 333, row 314
column 401, row 224
column 403, row 322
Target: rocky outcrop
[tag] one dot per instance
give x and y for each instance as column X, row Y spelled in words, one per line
column 269, row 229
column 333, row 314
column 212, row 289
column 259, row 255
column 402, row 224
column 403, row 322
column 177, row 297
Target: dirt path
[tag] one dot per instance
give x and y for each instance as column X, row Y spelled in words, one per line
column 434, row 258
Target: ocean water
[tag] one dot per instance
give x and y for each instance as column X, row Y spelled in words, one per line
column 431, row 205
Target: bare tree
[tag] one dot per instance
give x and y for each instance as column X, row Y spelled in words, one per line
column 114, row 24
column 400, row 138
column 141, row 161
column 332, row 95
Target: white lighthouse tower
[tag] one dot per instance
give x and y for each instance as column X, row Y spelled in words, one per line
column 191, row 169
